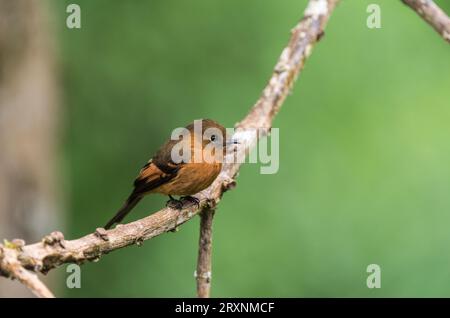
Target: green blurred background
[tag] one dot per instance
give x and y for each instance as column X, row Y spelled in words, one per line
column 364, row 157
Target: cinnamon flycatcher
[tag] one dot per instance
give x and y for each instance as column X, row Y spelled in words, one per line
column 181, row 167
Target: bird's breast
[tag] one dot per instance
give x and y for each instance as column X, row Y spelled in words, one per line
column 190, row 179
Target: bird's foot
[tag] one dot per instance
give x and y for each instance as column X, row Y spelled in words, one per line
column 174, row 204
column 191, row 200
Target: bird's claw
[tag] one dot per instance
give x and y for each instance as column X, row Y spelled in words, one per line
column 191, row 200
column 174, row 204
column 184, row 201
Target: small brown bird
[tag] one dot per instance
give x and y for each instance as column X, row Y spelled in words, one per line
column 181, row 167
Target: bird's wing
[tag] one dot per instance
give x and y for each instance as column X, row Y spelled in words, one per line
column 158, row 170
column 151, row 177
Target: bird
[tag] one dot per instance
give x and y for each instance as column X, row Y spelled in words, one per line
column 182, row 167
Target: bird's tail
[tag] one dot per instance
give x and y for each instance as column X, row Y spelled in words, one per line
column 131, row 202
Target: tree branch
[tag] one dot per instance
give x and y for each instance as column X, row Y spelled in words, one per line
column 12, row 267
column 203, row 272
column 54, row 250
column 432, row 14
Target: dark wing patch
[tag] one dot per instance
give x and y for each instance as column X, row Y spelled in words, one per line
column 150, row 177
column 158, row 170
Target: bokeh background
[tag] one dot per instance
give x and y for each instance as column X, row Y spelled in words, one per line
column 364, row 174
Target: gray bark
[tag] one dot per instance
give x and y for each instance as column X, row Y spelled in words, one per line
column 28, row 104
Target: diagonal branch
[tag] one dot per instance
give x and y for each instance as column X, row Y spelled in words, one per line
column 434, row 15
column 54, row 250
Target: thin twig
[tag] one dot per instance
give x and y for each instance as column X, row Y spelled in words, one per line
column 11, row 267
column 203, row 272
column 434, row 15
column 54, row 250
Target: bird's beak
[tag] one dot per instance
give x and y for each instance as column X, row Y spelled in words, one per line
column 232, row 142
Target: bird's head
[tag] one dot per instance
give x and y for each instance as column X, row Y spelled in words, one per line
column 209, row 137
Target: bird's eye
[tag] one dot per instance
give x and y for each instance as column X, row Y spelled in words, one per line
column 213, row 137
